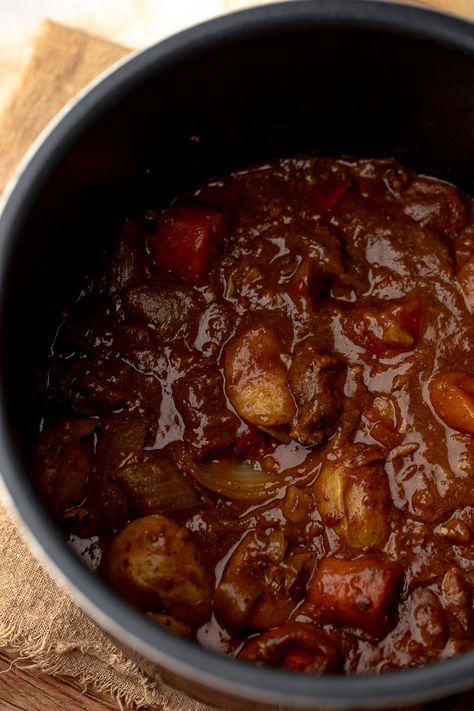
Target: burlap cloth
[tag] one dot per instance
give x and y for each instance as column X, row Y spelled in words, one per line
column 39, row 623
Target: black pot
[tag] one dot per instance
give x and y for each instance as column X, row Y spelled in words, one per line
column 334, row 76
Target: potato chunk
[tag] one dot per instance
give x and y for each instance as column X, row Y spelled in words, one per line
column 155, row 563
column 452, row 397
column 256, row 379
column 353, row 497
column 246, row 575
column 357, row 592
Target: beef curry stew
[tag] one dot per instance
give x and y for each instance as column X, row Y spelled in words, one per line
column 259, row 416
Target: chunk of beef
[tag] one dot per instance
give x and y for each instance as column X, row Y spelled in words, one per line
column 210, row 427
column 388, row 250
column 92, row 385
column 135, row 345
column 436, row 205
column 62, row 463
column 120, row 446
column 298, row 646
column 167, row 309
column 122, row 442
column 316, row 382
column 124, row 265
column 300, row 259
column 456, row 598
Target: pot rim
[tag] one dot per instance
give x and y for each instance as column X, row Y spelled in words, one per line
column 202, row 666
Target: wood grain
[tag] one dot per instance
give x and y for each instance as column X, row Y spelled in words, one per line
column 461, row 7
column 30, row 690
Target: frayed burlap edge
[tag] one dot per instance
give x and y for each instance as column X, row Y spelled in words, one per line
column 33, row 652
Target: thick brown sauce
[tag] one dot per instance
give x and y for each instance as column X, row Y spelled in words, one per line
column 357, row 277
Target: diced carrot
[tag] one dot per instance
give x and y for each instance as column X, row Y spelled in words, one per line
column 187, row 239
column 358, row 593
column 326, row 196
column 452, row 397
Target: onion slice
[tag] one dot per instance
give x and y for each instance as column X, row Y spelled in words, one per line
column 241, row 480
column 237, row 480
column 155, row 486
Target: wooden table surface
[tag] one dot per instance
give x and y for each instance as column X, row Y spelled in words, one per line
column 30, row 690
